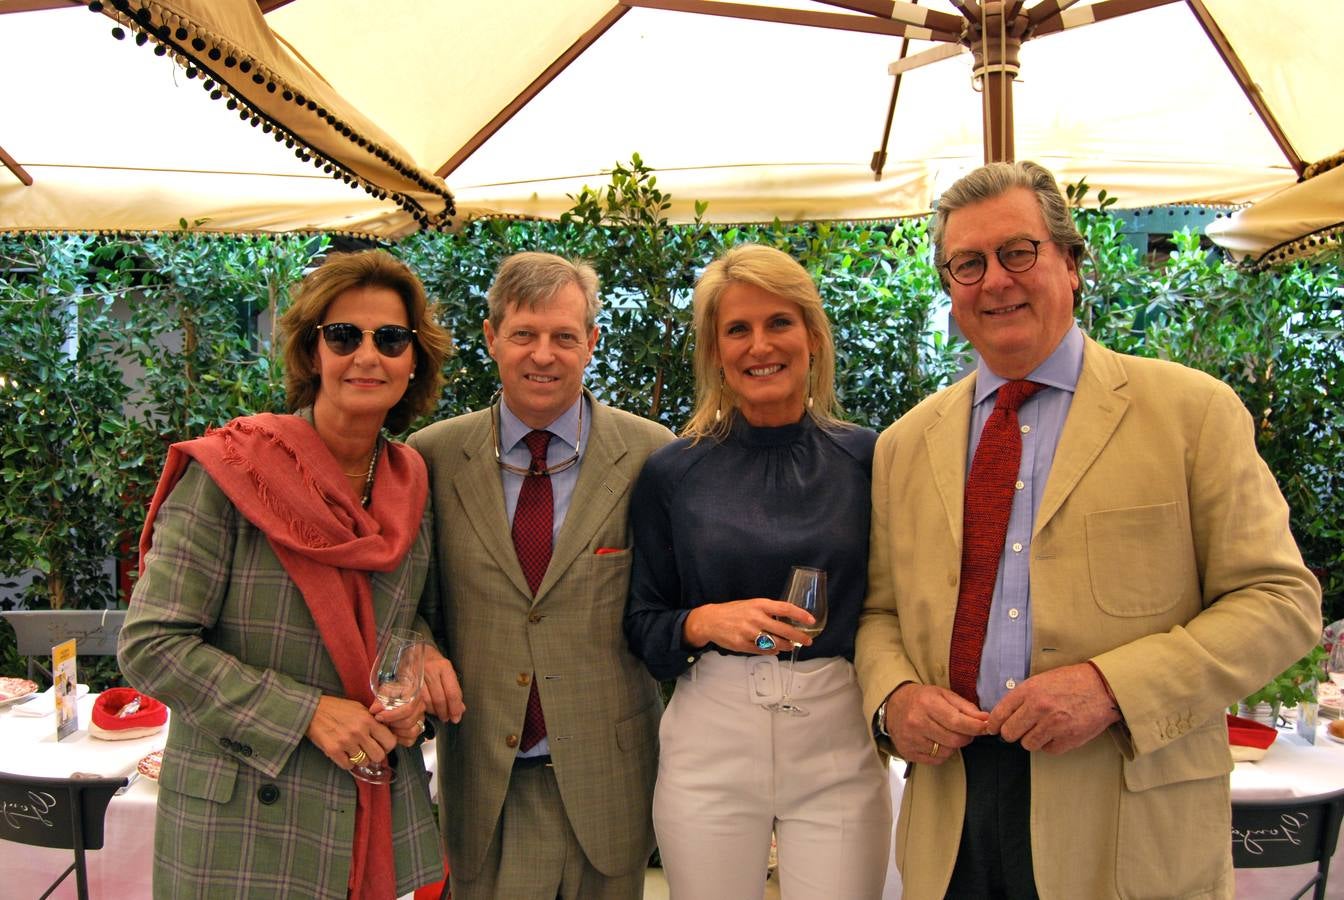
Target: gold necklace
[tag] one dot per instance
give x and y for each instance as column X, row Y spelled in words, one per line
column 368, row 475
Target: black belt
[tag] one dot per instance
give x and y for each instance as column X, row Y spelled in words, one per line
column 531, row 762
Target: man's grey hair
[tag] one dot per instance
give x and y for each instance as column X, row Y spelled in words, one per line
column 995, row 180
column 529, row 279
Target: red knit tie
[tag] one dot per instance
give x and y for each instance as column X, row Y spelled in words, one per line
column 533, row 521
column 989, row 499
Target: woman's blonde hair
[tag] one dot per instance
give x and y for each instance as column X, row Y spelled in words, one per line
column 780, row 274
column 338, row 273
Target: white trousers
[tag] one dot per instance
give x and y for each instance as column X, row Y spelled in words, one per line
column 730, row 770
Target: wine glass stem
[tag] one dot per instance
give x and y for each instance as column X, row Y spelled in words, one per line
column 788, row 678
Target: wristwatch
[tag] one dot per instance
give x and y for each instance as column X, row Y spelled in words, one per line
column 880, row 720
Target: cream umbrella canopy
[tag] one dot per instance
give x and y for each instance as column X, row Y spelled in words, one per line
column 764, row 109
column 1298, row 222
column 210, row 124
column 776, row 108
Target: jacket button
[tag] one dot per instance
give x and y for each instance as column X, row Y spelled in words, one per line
column 226, row 743
column 511, row 741
column 524, row 679
column 245, row 749
column 534, row 618
column 268, row 794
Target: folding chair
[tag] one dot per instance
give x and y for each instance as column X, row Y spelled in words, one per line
column 1271, row 833
column 64, row 813
column 37, row 631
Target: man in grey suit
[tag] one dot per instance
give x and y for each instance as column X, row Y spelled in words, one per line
column 546, row 779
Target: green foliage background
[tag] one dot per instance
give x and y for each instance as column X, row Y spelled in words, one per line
column 116, row 346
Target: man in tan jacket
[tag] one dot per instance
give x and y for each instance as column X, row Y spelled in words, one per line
column 546, row 780
column 1055, row 663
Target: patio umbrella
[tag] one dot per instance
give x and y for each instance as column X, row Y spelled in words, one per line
column 774, row 108
column 210, row 122
column 1298, row 222
column 777, row 108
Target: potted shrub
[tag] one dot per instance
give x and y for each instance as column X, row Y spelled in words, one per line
column 1289, row 688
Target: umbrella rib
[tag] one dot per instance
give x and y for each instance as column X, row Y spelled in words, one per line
column 1247, row 84
column 549, row 74
column 1047, row 9
column 1090, row 15
column 838, row 21
column 898, row 11
column 13, row 165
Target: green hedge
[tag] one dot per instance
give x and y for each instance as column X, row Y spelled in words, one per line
column 116, row 346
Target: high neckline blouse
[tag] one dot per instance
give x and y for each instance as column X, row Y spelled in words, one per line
column 726, row 519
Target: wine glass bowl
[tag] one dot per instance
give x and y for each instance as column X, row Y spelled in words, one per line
column 806, row 589
column 395, row 679
column 1334, row 664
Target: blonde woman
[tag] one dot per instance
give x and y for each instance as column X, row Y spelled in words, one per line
column 765, row 477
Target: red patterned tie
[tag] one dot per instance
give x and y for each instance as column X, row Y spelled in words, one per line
column 533, row 522
column 989, row 499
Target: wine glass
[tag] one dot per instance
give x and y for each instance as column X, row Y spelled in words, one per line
column 806, row 589
column 395, row 679
column 1334, row 665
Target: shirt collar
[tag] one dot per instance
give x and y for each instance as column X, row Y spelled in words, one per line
column 512, row 430
column 1059, row 370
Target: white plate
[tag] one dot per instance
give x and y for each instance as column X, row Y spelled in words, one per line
column 149, row 765
column 12, row 689
column 1337, row 740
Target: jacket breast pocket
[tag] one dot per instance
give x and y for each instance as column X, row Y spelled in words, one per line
column 1140, row 559
column 608, row 578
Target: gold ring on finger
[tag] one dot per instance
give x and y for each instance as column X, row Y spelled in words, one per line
column 359, row 758
column 933, row 751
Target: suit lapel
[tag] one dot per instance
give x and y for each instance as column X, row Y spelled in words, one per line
column 947, row 440
column 1094, row 414
column 481, row 493
column 600, row 487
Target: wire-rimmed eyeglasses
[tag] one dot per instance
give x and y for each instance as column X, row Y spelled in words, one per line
column 968, row 267
column 528, row 470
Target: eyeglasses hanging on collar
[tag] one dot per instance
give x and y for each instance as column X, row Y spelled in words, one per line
column 497, row 403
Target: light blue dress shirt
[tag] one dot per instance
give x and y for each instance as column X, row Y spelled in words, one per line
column 563, row 430
column 1006, row 658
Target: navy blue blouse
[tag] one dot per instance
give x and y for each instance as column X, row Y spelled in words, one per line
column 726, row 520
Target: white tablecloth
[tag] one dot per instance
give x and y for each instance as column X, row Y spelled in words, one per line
column 122, row 869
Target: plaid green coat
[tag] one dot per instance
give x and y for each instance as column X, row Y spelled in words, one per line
column 602, row 707
column 248, row 807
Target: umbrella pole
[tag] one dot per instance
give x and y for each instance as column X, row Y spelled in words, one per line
column 995, row 43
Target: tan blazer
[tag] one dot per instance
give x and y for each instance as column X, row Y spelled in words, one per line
column 1161, row 551
column 601, row 706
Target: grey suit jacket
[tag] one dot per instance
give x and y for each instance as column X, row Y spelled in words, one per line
column 601, row 706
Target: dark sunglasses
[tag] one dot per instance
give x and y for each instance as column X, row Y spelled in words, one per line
column 344, row 338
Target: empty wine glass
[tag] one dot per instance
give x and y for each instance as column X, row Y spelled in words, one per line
column 806, row 589
column 395, row 679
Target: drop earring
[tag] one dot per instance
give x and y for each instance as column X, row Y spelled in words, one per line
column 718, row 410
column 810, row 360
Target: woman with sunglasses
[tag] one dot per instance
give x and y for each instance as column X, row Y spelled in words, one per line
column 278, row 551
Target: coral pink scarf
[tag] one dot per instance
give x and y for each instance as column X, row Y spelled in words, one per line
column 280, row 475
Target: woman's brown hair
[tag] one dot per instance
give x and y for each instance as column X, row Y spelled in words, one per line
column 338, row 273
